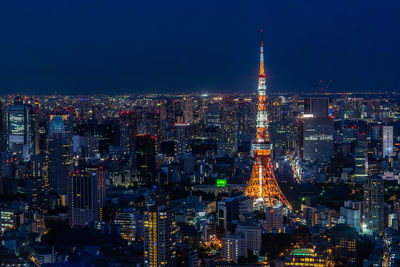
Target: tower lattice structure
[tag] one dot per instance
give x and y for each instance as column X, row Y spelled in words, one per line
column 262, row 184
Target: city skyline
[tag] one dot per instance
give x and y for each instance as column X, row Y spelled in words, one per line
column 111, row 48
column 208, row 177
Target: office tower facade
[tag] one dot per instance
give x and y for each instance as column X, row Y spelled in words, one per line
column 188, row 109
column 86, row 197
column 374, row 203
column 229, row 125
column 387, row 141
column 3, row 143
column 317, row 130
column 233, row 247
column 245, row 117
column 352, row 217
column 361, row 161
column 213, row 115
column 274, row 219
column 146, row 159
column 59, row 154
column 19, row 132
column 8, row 219
column 126, row 220
column 128, row 129
column 159, row 237
column 39, row 180
column 345, row 243
column 263, row 185
column 319, row 107
column 182, row 137
column 230, row 209
column 317, row 139
column 252, row 235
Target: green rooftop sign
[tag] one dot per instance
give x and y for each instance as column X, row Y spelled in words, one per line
column 221, row 182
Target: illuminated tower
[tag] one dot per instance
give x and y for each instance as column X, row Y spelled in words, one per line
column 263, row 185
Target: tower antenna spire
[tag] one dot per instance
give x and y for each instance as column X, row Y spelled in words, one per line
column 262, row 72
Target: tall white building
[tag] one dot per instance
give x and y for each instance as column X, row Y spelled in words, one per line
column 387, row 141
column 233, row 247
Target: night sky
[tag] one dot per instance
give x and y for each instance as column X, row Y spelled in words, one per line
column 71, row 46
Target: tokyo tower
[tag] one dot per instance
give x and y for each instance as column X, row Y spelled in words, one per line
column 262, row 184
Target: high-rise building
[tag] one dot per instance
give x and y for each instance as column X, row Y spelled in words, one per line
column 345, row 243
column 39, row 181
column 245, row 117
column 319, row 107
column 229, row 125
column 182, row 138
column 8, row 219
column 230, row 209
column 126, row 220
column 361, row 161
column 159, row 237
column 387, row 141
column 352, row 217
column 252, row 235
column 19, row 136
column 60, row 153
column 233, row 247
column 274, row 219
column 317, row 139
column 188, row 109
column 128, row 129
column 317, row 130
column 86, row 197
column 2, row 128
column 213, row 115
column 146, row 159
column 374, row 203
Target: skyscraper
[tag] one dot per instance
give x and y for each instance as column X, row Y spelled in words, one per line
column 2, row 128
column 229, row 125
column 317, row 130
column 86, row 197
column 58, row 155
column 182, row 136
column 387, row 141
column 146, row 159
column 159, row 237
column 373, row 203
column 319, row 107
column 361, row 161
column 188, row 109
column 128, row 128
column 19, row 135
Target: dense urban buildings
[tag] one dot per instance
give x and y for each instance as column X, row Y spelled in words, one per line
column 201, row 179
column 171, row 188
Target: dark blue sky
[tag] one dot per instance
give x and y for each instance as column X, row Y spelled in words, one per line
column 112, row 46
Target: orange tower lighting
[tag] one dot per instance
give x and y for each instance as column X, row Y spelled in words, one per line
column 262, row 184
